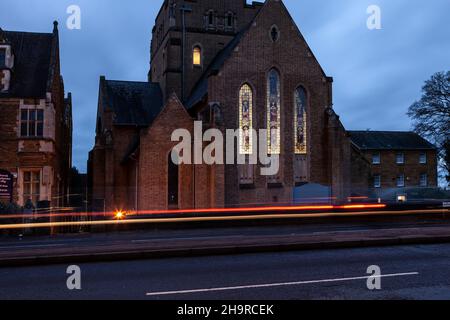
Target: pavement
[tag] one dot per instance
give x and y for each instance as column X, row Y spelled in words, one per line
column 410, row 272
column 213, row 241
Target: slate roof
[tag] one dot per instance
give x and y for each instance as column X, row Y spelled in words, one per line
column 133, row 103
column 32, row 63
column 389, row 140
column 201, row 88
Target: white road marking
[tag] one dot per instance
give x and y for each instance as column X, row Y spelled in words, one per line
column 282, row 284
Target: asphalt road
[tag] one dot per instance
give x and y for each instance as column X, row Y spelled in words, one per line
column 11, row 244
column 415, row 272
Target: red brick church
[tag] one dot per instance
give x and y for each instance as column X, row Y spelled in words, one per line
column 234, row 65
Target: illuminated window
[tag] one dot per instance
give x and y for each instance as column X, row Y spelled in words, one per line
column 246, row 119
column 31, row 123
column 273, row 113
column 31, row 186
column 197, row 56
column 300, row 121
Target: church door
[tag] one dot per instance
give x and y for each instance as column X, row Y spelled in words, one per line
column 172, row 185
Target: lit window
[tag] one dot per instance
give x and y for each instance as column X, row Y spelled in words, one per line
column 400, row 158
column 376, row 158
column 423, row 158
column 246, row 120
column 424, row 180
column 197, row 56
column 300, row 101
column 401, row 181
column 377, row 181
column 31, row 186
column 273, row 113
column 31, row 123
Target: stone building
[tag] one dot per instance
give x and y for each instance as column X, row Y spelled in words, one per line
column 35, row 118
column 230, row 65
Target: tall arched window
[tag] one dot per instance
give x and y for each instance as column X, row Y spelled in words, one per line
column 300, row 115
column 273, row 113
column 197, row 56
column 246, row 119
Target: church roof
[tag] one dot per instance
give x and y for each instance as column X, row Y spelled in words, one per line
column 201, row 88
column 133, row 103
column 32, row 63
column 389, row 140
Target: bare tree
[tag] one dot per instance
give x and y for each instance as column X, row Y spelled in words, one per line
column 431, row 116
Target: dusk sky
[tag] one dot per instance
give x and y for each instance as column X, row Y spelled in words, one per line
column 377, row 74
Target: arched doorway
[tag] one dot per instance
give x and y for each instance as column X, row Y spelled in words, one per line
column 172, row 183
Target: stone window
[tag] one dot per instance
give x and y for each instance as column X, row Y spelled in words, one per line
column 300, row 126
column 31, row 123
column 229, row 21
column 246, row 119
column 273, row 113
column 2, row 57
column 210, row 19
column 31, row 186
column 424, row 180
column 401, row 181
column 376, row 158
column 423, row 158
column 197, row 56
column 400, row 158
column 274, row 33
column 377, row 181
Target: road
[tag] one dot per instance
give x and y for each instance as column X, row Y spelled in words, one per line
column 417, row 272
column 12, row 244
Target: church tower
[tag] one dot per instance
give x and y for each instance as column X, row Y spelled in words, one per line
column 188, row 35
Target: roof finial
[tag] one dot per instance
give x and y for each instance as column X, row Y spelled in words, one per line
column 55, row 26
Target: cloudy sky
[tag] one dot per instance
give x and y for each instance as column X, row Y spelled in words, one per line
column 377, row 73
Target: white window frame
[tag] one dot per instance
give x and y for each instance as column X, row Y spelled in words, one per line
column 401, row 181
column 400, row 158
column 423, row 180
column 376, row 155
column 423, row 159
column 377, row 181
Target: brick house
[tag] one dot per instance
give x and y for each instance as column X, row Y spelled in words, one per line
column 230, row 65
column 35, row 118
column 396, row 160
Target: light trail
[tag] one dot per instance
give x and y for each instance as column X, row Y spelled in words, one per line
column 196, row 211
column 218, row 218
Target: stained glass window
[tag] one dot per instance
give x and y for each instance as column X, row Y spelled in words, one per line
column 246, row 119
column 273, row 113
column 300, row 116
